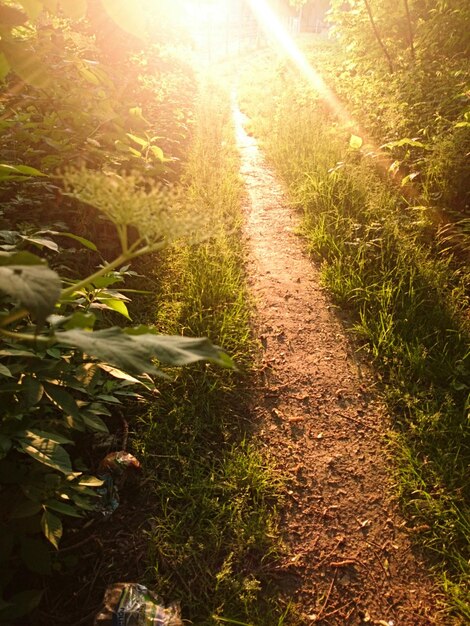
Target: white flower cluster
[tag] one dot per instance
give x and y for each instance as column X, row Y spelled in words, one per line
column 160, row 214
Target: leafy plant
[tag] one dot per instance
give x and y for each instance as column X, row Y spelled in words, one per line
column 58, row 374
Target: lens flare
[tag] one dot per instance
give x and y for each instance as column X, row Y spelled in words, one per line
column 275, row 30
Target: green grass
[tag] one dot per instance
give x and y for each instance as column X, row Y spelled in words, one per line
column 214, row 538
column 383, row 261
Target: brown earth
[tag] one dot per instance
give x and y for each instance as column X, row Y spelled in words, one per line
column 319, row 413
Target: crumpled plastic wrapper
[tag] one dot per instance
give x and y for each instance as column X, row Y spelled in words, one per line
column 131, row 604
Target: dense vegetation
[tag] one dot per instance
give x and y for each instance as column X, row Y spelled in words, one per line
column 112, row 152
column 382, row 183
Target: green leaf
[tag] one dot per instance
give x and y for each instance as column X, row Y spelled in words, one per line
column 116, row 305
column 4, row 371
column 85, row 242
column 42, row 434
column 90, row 481
column 62, row 399
column 36, row 287
column 158, row 153
column 42, row 242
column 117, row 373
column 138, row 140
column 18, row 172
column 51, row 527
column 94, row 423
column 134, row 353
column 47, row 452
column 20, row 258
column 31, row 391
column 355, row 142
column 406, row 141
column 61, row 507
column 80, row 320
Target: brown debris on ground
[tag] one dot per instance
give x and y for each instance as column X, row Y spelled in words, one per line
column 350, row 559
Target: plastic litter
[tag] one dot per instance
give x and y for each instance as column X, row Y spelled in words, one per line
column 113, row 471
column 131, row 604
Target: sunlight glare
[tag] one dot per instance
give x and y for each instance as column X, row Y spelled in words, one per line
column 274, row 28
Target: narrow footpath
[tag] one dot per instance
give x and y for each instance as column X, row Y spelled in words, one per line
column 350, row 559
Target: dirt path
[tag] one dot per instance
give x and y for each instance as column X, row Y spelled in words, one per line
column 350, row 560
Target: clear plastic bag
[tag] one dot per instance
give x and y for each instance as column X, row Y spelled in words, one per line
column 131, row 604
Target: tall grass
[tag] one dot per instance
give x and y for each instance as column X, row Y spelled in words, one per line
column 407, row 301
column 213, row 540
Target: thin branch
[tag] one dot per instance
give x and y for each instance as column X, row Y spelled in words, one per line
column 410, row 30
column 378, row 37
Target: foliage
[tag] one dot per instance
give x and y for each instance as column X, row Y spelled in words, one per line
column 59, row 376
column 424, row 100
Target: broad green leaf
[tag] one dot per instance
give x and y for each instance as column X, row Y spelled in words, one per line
column 130, row 16
column 138, row 140
column 36, row 287
column 42, row 434
column 406, row 141
column 51, row 527
column 116, row 305
column 158, row 153
column 355, row 142
column 90, row 481
column 47, row 452
column 61, row 507
column 31, row 391
column 117, row 373
column 20, row 258
column 42, row 242
column 29, row 171
column 80, row 320
column 74, row 9
column 17, row 172
column 4, row 371
column 176, row 350
column 94, row 422
column 133, row 353
column 62, row 399
column 85, row 242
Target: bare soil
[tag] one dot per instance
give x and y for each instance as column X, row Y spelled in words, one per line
column 350, row 558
